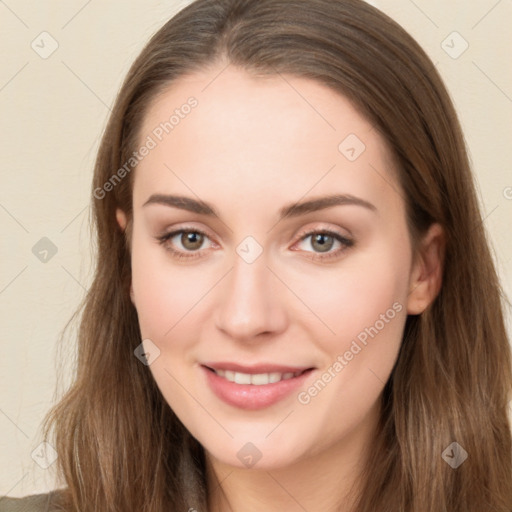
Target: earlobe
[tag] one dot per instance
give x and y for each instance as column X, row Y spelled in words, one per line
column 122, row 221
column 427, row 271
column 121, row 218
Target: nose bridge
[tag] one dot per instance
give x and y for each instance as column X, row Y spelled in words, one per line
column 249, row 303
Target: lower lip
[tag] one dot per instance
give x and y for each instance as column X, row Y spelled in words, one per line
column 250, row 396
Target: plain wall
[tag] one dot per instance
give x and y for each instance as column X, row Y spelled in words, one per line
column 53, row 111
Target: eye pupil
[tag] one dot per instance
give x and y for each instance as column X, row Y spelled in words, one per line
column 320, row 238
column 195, row 239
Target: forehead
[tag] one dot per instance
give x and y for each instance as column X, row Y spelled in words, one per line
column 253, row 134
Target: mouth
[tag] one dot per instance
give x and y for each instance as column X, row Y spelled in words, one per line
column 256, row 379
column 254, row 389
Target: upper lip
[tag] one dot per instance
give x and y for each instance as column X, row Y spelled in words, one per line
column 256, row 368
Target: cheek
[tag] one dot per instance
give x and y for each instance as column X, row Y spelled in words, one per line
column 363, row 291
column 364, row 307
column 163, row 292
column 363, row 313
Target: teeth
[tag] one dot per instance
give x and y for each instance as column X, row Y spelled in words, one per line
column 274, row 377
column 242, row 378
column 257, row 379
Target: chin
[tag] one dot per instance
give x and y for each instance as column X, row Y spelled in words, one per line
column 256, row 455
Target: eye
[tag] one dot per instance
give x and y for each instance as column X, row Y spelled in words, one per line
column 323, row 241
column 191, row 240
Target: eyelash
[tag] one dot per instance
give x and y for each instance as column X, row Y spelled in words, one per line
column 180, row 255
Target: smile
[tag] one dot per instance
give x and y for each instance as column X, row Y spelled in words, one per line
column 253, row 391
column 258, row 379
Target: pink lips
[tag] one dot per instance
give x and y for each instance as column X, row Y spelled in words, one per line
column 250, row 396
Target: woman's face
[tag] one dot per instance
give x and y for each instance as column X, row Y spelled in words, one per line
column 244, row 285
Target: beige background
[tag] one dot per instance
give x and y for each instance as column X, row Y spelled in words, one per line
column 53, row 112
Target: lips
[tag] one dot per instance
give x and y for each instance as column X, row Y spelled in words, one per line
column 254, row 387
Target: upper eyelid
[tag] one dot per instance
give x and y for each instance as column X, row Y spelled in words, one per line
column 324, row 226
column 185, row 229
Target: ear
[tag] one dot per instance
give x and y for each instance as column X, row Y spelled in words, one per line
column 427, row 271
column 122, row 221
column 121, row 218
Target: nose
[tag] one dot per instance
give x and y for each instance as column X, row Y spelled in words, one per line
column 251, row 302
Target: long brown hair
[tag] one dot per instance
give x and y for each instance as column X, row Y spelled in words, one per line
column 120, row 445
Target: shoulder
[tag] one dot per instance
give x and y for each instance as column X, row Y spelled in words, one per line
column 33, row 503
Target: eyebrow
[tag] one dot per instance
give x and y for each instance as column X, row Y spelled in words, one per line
column 291, row 210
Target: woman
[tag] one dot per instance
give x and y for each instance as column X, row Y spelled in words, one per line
column 294, row 306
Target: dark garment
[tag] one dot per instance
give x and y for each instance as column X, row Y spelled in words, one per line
column 34, row 503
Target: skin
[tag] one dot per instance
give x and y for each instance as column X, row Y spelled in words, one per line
column 250, row 147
